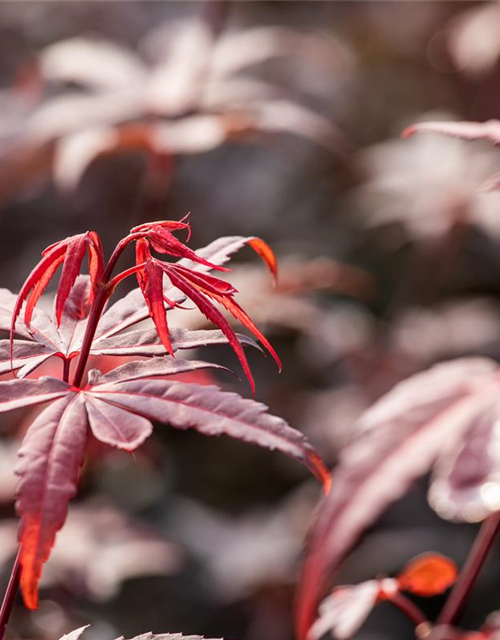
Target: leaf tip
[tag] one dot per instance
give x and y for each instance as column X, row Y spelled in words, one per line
column 262, row 249
column 409, row 131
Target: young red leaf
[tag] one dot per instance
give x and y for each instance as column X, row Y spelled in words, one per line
column 266, row 253
column 240, row 314
column 132, row 309
column 39, row 288
column 400, row 438
column 70, row 253
column 50, row 459
column 73, row 259
column 211, row 412
column 50, row 257
column 152, row 289
column 208, row 310
column 428, row 575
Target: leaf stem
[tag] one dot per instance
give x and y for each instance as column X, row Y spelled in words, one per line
column 404, row 604
column 93, row 321
column 477, row 555
column 10, row 595
column 66, row 366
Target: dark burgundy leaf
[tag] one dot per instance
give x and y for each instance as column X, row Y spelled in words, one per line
column 75, row 635
column 115, row 426
column 212, row 412
column 50, row 459
column 159, row 366
column 24, row 352
column 23, row 393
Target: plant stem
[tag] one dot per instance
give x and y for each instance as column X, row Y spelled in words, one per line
column 96, row 311
column 414, row 613
column 10, row 595
column 94, row 317
column 66, row 366
column 477, row 555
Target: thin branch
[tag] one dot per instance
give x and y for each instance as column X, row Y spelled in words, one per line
column 10, row 595
column 410, row 609
column 477, row 555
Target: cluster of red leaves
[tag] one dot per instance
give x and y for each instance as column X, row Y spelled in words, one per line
column 118, row 407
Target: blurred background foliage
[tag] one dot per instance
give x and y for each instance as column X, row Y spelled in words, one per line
column 281, row 120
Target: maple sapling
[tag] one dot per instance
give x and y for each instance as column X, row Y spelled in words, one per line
column 118, row 406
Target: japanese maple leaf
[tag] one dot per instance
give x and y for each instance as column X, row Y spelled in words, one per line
column 442, row 420
column 118, row 408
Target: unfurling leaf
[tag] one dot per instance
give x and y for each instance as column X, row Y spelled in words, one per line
column 428, row 575
column 198, row 287
column 69, row 253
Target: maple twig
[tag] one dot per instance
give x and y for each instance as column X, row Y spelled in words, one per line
column 66, row 365
column 10, row 595
column 94, row 317
column 477, row 555
column 404, row 604
column 96, row 310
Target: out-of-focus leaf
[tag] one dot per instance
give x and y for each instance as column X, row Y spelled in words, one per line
column 399, row 439
column 472, row 39
column 344, row 611
column 465, row 130
column 405, row 186
column 428, row 575
column 100, row 548
column 239, row 50
column 98, row 64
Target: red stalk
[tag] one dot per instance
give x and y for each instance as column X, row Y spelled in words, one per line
column 10, row 595
column 473, row 565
